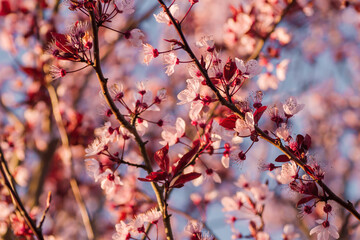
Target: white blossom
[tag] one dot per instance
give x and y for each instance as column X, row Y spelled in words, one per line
column 171, row 134
column 96, row 146
column 283, row 132
column 291, row 106
column 289, row 232
column 244, row 128
column 250, row 68
column 108, row 181
column 288, row 172
column 92, row 167
column 136, row 37
column 324, row 230
column 125, row 6
column 170, row 60
column 162, row 17
column 149, row 53
column 190, row 93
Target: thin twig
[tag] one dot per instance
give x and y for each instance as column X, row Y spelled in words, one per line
column 69, row 161
column 261, row 42
column 16, row 199
column 48, row 201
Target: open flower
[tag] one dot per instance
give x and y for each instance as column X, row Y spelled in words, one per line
column 250, row 68
column 92, row 167
column 291, row 107
column 164, row 18
column 283, row 132
column 172, row 134
column 245, row 127
column 324, row 230
column 190, row 93
column 170, row 60
column 108, row 181
column 289, row 232
column 288, row 173
column 125, row 6
column 149, row 53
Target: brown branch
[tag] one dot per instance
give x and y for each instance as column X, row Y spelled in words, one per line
column 69, row 161
column 16, row 199
column 261, row 42
column 121, row 119
column 110, row 49
column 331, row 195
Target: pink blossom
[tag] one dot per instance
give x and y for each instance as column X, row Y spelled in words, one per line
column 190, row 93
column 291, row 106
column 5, row 210
column 250, row 68
column 281, row 35
column 281, row 69
column 122, row 231
column 267, row 80
column 171, row 60
column 324, row 230
column 108, row 181
column 242, row 24
column 288, row 173
column 96, row 146
column 125, row 6
column 283, row 132
column 262, row 236
column 206, row 42
column 149, row 53
column 208, row 174
column 234, row 203
column 193, row 227
column 135, row 37
column 244, row 128
column 163, row 17
column 171, row 134
column 152, row 216
column 289, row 232
column 195, row 109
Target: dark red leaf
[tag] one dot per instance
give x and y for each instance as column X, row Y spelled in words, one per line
column 282, row 158
column 155, row 176
column 144, row 179
column 229, row 122
column 229, row 69
column 299, row 139
column 62, row 42
column 185, row 159
column 5, row 8
column 305, row 200
column 185, row 178
column 162, row 159
column 258, row 113
column 312, row 189
column 32, row 72
column 307, row 142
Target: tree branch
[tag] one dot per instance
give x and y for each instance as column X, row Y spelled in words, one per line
column 69, row 161
column 121, row 119
column 16, row 199
column 331, row 195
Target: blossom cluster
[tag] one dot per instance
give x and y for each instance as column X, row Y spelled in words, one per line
column 132, row 133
